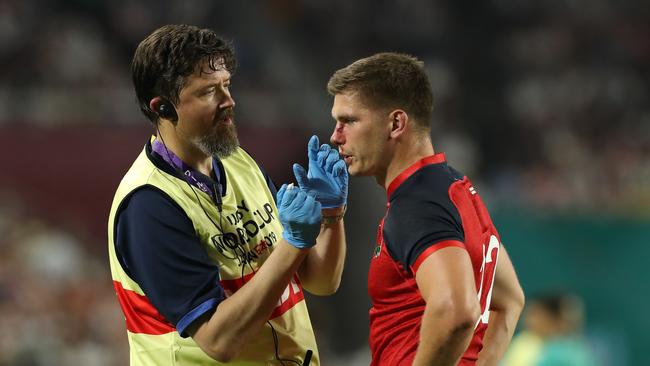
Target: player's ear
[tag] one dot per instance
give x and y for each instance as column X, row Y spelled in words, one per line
column 399, row 121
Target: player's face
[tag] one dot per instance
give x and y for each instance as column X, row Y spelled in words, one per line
column 205, row 112
column 361, row 135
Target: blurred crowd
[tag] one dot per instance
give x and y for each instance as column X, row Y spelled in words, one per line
column 55, row 304
column 545, row 104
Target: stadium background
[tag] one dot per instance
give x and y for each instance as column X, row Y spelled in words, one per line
column 545, row 104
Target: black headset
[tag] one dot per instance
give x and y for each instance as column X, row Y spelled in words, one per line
column 166, row 110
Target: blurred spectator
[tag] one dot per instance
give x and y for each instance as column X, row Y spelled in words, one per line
column 54, row 309
column 556, row 95
column 552, row 334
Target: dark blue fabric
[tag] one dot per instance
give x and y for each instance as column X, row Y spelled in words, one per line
column 157, row 246
column 422, row 214
column 185, row 321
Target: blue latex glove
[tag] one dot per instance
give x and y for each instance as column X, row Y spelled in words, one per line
column 300, row 216
column 327, row 178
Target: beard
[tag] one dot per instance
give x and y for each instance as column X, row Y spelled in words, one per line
column 223, row 141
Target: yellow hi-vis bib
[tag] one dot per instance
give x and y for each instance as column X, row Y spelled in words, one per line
column 250, row 229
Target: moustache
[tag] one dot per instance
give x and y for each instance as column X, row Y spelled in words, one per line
column 226, row 113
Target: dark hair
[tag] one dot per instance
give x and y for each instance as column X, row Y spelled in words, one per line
column 388, row 80
column 164, row 60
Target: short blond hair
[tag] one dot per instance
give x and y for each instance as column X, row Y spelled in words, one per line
column 388, row 80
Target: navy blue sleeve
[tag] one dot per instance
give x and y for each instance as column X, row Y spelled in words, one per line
column 157, row 246
column 418, row 220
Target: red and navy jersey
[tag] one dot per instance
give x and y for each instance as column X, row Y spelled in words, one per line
column 430, row 206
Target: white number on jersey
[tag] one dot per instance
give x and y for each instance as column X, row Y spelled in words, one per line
column 488, row 271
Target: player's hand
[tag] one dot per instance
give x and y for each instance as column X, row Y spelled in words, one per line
column 327, row 178
column 300, row 216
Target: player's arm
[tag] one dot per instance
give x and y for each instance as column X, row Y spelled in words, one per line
column 505, row 308
column 445, row 280
column 236, row 319
column 320, row 273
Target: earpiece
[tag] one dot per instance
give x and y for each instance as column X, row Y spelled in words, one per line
column 166, row 110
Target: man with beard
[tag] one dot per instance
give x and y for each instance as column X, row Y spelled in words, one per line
column 208, row 266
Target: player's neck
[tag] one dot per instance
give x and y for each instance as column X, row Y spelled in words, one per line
column 405, row 154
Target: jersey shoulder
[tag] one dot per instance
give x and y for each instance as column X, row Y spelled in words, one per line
column 421, row 213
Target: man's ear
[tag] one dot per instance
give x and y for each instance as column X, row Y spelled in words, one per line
column 164, row 109
column 399, row 121
column 154, row 104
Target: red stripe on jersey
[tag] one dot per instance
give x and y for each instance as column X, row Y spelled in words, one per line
column 141, row 315
column 291, row 296
column 432, row 249
column 433, row 159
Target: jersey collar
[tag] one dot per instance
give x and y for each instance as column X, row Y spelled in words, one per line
column 431, row 159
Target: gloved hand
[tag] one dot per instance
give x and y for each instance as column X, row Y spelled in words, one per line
column 300, row 216
column 327, row 178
